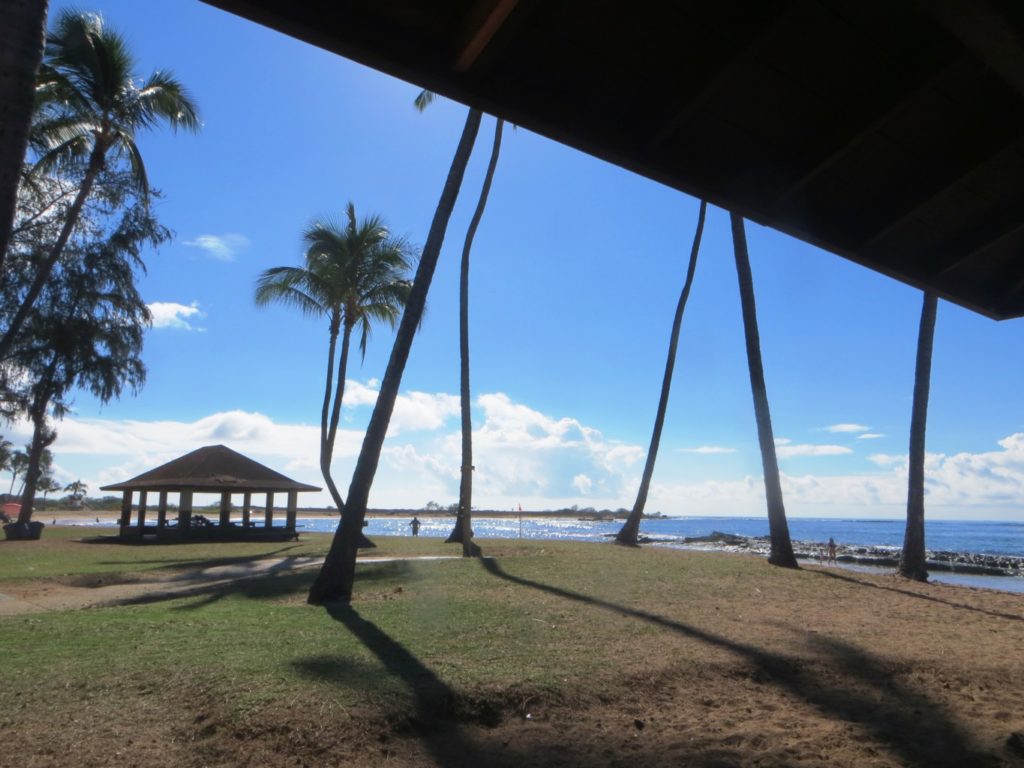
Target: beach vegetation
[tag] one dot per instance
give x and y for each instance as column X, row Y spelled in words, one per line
column 337, row 575
column 778, row 528
column 628, row 534
column 913, row 558
column 354, row 274
column 90, row 106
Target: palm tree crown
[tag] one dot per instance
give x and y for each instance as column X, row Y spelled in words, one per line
column 90, row 103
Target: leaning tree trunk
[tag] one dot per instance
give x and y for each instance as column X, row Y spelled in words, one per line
column 46, row 266
column 631, row 530
column 463, row 531
column 326, row 444
column 22, row 36
column 778, row 529
column 913, row 563
column 42, row 438
column 335, row 579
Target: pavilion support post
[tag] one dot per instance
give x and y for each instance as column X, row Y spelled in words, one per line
column 268, row 520
column 225, row 509
column 184, row 511
column 142, row 512
column 246, row 508
column 161, row 511
column 293, row 507
column 126, row 512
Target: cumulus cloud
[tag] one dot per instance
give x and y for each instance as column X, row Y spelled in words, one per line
column 168, row 314
column 710, row 449
column 220, row 247
column 847, row 428
column 413, row 410
column 582, row 483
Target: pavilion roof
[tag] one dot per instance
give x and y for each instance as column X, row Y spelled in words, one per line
column 211, row 469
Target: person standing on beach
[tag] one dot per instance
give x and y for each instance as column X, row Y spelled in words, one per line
column 831, row 550
column 415, row 525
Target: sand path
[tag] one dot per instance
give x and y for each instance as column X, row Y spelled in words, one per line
column 54, row 595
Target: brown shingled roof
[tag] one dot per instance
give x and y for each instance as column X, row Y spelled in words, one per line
column 212, row 468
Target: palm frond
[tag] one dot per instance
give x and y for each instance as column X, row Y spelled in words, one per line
column 424, row 99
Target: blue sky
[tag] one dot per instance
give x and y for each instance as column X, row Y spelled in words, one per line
column 576, row 270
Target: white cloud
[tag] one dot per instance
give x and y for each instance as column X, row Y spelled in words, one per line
column 220, row 247
column 788, row 450
column 413, row 410
column 168, row 314
column 782, row 441
column 582, row 483
column 708, row 449
column 847, row 428
column 870, row 436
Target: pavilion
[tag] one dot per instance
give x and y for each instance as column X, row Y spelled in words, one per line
column 213, row 469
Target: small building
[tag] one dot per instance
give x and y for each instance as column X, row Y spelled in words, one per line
column 214, row 469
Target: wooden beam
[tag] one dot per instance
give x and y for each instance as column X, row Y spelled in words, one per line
column 225, row 509
column 142, row 511
column 268, row 519
column 293, row 505
column 482, row 33
column 184, row 511
column 246, row 508
column 126, row 511
column 1006, row 224
column 161, row 510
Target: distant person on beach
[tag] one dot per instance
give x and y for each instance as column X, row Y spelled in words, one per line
column 415, row 525
column 831, row 550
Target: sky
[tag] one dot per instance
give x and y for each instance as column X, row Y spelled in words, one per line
column 576, row 270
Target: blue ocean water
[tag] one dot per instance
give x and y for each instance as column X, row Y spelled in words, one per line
column 979, row 537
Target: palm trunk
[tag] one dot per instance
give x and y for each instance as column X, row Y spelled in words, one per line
column 630, row 531
column 778, row 529
column 46, row 267
column 335, row 579
column 463, row 531
column 22, row 37
column 913, row 563
column 326, row 432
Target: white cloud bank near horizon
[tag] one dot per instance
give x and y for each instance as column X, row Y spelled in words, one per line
column 526, row 457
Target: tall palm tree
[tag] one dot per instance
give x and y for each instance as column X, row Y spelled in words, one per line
column 90, row 106
column 463, row 530
column 21, row 49
column 778, row 528
column 354, row 275
column 335, row 579
column 913, row 562
column 631, row 529
column 77, row 489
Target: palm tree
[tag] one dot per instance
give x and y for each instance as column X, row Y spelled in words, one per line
column 89, row 109
column 77, row 489
column 913, row 564
column 47, row 484
column 354, row 275
column 631, row 529
column 463, row 530
column 778, row 528
column 17, row 465
column 335, row 579
column 21, row 49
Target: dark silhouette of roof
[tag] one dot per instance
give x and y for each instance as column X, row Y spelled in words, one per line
column 890, row 132
column 212, row 469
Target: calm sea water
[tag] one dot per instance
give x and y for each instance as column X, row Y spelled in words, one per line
column 980, row 537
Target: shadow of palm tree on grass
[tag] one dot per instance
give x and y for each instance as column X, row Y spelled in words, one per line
column 911, row 725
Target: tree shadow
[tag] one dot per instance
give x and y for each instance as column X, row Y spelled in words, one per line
column 918, row 595
column 915, row 728
column 205, row 562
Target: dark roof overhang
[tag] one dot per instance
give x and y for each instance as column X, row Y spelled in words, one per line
column 890, row 132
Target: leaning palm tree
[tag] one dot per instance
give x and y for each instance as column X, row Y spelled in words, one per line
column 335, row 579
column 89, row 108
column 778, row 528
column 628, row 536
column 463, row 531
column 913, row 561
column 355, row 274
